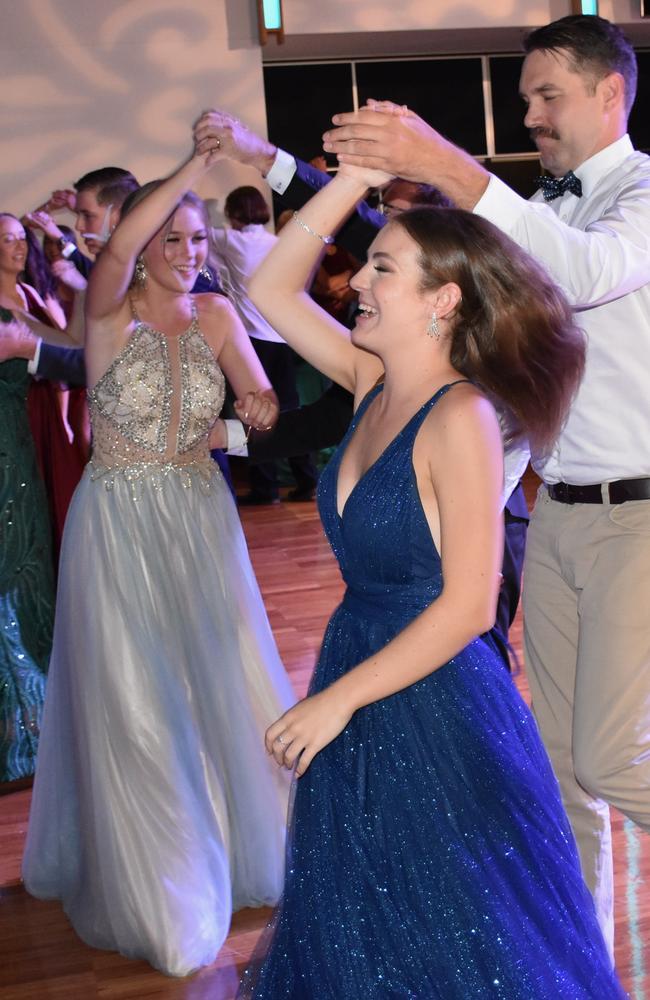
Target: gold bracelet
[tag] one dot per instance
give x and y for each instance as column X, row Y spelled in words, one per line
column 312, row 232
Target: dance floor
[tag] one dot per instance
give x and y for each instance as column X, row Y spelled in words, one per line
column 41, row 957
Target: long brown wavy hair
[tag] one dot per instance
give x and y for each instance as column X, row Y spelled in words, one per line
column 513, row 333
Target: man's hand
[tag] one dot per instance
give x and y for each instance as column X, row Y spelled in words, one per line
column 58, row 200
column 390, row 138
column 67, row 274
column 219, row 130
column 16, row 341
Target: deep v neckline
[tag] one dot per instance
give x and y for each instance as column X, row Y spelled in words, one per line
column 361, row 412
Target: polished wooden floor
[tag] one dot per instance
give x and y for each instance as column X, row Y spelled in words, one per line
column 41, row 957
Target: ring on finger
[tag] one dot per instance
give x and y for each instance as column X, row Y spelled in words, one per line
column 279, row 740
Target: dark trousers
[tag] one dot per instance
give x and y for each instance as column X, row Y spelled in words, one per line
column 278, row 362
column 514, row 548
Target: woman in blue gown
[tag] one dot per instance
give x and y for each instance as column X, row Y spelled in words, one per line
column 429, row 852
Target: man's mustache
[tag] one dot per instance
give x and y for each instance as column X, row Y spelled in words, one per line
column 542, row 133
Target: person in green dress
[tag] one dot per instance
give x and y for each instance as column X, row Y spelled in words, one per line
column 26, row 566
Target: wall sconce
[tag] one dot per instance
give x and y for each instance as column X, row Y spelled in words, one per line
column 269, row 13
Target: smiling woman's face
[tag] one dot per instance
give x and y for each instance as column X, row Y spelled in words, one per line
column 177, row 252
column 13, row 245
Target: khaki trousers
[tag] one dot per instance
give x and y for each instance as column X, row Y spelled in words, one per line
column 586, row 605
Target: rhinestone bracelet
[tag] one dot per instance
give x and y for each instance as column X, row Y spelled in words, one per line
column 303, row 225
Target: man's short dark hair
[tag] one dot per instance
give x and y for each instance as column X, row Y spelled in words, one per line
column 418, row 194
column 246, row 205
column 595, row 46
column 112, row 184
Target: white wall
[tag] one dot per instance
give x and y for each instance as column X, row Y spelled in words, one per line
column 88, row 83
column 332, row 16
column 308, row 16
column 91, row 83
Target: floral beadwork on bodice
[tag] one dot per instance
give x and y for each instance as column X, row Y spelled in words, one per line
column 157, row 401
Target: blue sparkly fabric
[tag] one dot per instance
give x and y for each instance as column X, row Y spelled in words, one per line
column 429, row 853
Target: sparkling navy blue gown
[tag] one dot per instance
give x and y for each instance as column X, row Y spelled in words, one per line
column 429, row 853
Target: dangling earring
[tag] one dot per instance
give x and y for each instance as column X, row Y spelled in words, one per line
column 433, row 329
column 140, row 273
column 205, row 272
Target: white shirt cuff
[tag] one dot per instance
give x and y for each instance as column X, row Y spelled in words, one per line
column 281, row 173
column 236, row 438
column 68, row 250
column 32, row 365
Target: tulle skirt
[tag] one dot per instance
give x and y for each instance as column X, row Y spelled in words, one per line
column 156, row 810
column 429, row 855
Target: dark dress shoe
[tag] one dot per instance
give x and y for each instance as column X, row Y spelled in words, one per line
column 257, row 500
column 301, row 496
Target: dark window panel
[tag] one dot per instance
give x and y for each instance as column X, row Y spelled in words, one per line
column 518, row 174
column 639, row 119
column 448, row 93
column 508, row 109
column 300, row 102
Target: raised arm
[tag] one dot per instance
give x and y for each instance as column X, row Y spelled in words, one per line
column 278, row 289
column 113, row 270
column 292, row 180
column 607, row 259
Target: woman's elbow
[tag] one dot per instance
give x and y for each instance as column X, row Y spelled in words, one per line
column 479, row 614
column 256, row 290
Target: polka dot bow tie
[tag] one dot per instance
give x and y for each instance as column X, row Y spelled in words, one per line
column 553, row 187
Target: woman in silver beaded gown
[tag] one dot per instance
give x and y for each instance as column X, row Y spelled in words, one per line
column 155, row 809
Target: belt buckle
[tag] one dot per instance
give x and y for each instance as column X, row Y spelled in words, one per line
column 562, row 493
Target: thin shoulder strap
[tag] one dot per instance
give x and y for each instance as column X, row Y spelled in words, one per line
column 367, row 400
column 430, row 403
column 449, row 385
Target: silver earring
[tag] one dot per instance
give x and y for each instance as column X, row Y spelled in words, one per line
column 433, row 329
column 140, row 273
column 205, row 272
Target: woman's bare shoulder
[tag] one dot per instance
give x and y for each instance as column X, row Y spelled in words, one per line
column 464, row 412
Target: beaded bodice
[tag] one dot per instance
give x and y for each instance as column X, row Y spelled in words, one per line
column 157, row 402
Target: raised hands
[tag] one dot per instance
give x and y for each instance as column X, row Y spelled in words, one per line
column 224, row 135
column 41, row 219
column 60, row 199
column 389, row 137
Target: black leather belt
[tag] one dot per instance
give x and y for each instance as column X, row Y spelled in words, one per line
column 619, row 492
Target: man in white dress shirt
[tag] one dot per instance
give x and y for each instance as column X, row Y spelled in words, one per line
column 587, row 570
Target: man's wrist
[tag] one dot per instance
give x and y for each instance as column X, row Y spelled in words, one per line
column 281, row 172
column 236, row 438
column 67, row 248
column 264, row 159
